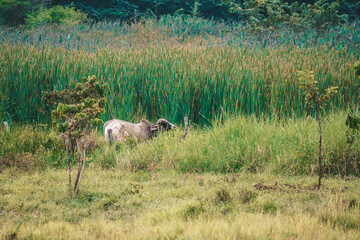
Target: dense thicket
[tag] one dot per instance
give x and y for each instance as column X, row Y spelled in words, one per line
column 211, row 9
column 123, row 10
column 14, row 12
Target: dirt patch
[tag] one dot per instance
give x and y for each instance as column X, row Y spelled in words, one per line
column 293, row 188
column 283, row 187
column 24, row 161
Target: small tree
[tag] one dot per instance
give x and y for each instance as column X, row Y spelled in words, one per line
column 76, row 111
column 315, row 100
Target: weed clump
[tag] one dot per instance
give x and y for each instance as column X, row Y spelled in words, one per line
column 269, row 207
column 222, row 196
column 193, row 210
column 246, row 196
column 347, row 222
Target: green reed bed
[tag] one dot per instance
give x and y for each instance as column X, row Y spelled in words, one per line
column 178, row 30
column 170, row 82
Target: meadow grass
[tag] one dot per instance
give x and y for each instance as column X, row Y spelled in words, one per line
column 246, row 168
column 116, row 204
column 202, row 81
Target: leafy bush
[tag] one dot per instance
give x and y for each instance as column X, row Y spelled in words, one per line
column 76, row 112
column 56, row 15
column 129, row 9
column 270, row 13
column 13, row 12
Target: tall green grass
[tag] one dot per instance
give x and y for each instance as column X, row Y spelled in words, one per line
column 239, row 144
column 243, row 144
column 200, row 81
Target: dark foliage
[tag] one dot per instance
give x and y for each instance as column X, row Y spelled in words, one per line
column 14, row 12
column 131, row 9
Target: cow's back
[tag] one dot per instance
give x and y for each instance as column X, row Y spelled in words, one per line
column 116, row 126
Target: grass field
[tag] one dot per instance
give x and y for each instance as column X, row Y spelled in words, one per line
column 247, row 168
column 169, row 205
column 239, row 144
column 165, row 77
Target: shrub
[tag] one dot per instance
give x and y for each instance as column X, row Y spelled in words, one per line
column 270, row 13
column 76, row 112
column 56, row 15
column 315, row 100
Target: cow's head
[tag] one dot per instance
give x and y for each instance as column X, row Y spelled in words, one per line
column 162, row 125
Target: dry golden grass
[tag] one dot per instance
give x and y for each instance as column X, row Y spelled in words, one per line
column 168, row 205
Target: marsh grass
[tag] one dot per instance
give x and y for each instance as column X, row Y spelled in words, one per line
column 166, row 204
column 177, row 31
column 202, row 82
column 175, row 65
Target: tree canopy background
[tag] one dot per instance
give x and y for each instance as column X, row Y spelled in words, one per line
column 15, row 12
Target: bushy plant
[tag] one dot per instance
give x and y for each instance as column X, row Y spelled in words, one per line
column 13, row 12
column 77, row 110
column 270, row 13
column 56, row 15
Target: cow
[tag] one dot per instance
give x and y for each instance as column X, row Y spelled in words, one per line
column 119, row 130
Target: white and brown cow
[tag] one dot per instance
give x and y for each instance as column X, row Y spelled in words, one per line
column 121, row 130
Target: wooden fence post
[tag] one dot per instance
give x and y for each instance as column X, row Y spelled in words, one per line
column 186, row 123
column 110, row 137
column 6, row 125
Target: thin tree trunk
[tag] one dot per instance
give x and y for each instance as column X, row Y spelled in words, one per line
column 82, row 168
column 347, row 155
column 68, row 155
column 79, row 166
column 320, row 145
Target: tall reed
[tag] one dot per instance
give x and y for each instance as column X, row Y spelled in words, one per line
column 169, row 82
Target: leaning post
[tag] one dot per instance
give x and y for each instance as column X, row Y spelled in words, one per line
column 6, row 125
column 186, row 129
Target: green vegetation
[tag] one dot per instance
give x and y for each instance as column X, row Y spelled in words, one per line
column 256, row 12
column 154, row 82
column 240, row 144
column 251, row 154
column 316, row 101
column 279, row 13
column 76, row 112
column 13, row 12
column 169, row 205
column 56, row 15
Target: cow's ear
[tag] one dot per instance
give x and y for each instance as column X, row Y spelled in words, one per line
column 162, row 122
column 154, row 127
